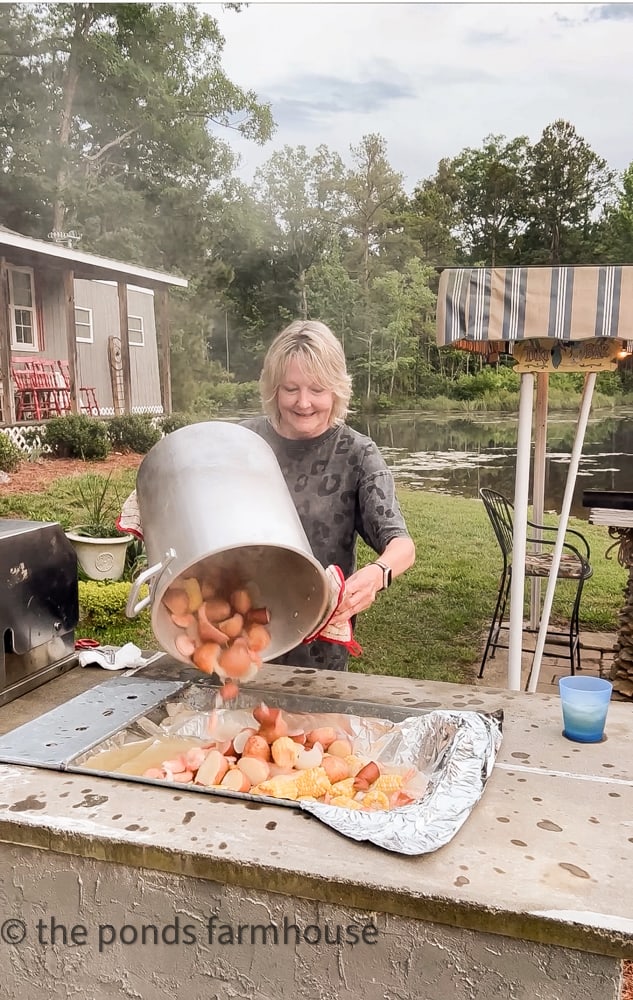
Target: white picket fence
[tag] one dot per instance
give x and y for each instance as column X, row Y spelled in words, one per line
column 34, row 441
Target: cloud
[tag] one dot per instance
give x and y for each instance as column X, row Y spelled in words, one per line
column 611, row 12
column 312, row 100
column 432, row 79
column 312, row 96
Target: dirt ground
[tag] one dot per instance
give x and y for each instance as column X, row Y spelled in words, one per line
column 35, row 477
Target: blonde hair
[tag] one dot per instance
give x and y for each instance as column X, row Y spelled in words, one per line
column 320, row 355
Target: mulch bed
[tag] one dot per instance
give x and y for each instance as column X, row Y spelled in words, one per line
column 627, row 985
column 36, row 477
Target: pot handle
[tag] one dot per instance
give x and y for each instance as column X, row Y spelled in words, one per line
column 132, row 609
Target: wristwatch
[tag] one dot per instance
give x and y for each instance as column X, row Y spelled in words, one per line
column 386, row 573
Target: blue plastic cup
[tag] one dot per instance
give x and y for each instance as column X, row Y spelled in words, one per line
column 585, row 702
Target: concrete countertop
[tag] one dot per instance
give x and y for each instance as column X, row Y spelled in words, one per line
column 546, row 855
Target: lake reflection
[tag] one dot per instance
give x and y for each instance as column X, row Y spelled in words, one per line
column 459, row 456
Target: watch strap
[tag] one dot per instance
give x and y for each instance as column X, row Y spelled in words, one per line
column 386, row 573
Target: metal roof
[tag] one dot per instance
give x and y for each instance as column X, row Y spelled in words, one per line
column 88, row 265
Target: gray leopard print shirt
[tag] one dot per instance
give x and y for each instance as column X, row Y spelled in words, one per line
column 342, row 489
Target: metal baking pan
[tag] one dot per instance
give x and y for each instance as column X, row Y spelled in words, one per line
column 454, row 750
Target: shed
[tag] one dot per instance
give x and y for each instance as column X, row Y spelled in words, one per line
column 106, row 319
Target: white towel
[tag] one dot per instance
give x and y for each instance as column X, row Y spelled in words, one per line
column 112, row 657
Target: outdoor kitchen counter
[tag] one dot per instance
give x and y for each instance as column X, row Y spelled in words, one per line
column 546, row 855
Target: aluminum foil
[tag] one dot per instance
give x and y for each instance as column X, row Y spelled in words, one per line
column 456, row 752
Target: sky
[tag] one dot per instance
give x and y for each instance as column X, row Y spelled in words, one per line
column 432, row 78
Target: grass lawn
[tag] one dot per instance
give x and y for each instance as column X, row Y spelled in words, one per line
column 432, row 621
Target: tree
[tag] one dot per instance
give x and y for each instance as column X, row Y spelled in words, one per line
column 403, row 300
column 125, row 99
column 431, row 217
column 376, row 202
column 376, row 198
column 25, row 188
column 488, row 198
column 333, row 296
column 113, row 124
column 567, row 183
column 303, row 195
column 615, row 230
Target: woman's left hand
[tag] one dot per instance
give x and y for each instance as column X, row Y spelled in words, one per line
column 360, row 593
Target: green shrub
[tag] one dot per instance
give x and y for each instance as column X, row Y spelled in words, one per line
column 203, row 408
column 102, row 611
column 10, row 454
column 566, row 382
column 485, row 382
column 77, row 436
column 103, row 602
column 377, row 404
column 174, row 421
column 133, row 432
column 248, row 395
column 609, row 383
column 430, row 385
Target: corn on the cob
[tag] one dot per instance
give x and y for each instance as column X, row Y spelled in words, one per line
column 345, row 802
column 375, row 800
column 344, row 787
column 285, row 751
column 355, row 764
column 313, row 781
column 280, row 787
column 388, row 783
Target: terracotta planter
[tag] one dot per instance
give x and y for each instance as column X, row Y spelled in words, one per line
column 100, row 558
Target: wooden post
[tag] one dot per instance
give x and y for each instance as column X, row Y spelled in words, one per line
column 71, row 339
column 8, row 399
column 124, row 337
column 162, row 340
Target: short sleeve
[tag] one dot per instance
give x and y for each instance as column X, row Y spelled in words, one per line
column 380, row 518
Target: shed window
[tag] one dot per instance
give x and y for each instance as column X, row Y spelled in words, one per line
column 83, row 325
column 136, row 332
column 22, row 309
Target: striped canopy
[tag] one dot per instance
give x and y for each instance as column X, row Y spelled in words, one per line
column 482, row 305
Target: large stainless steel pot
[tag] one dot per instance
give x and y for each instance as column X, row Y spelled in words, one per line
column 212, row 497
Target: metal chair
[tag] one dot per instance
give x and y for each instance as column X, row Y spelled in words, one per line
column 540, row 542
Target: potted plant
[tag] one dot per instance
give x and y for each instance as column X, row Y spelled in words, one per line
column 94, row 503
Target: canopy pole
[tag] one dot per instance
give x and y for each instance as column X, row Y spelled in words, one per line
column 521, row 490
column 581, row 427
column 538, row 492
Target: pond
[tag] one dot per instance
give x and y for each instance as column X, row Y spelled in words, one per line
column 456, row 455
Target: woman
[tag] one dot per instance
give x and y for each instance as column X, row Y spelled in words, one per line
column 338, row 479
